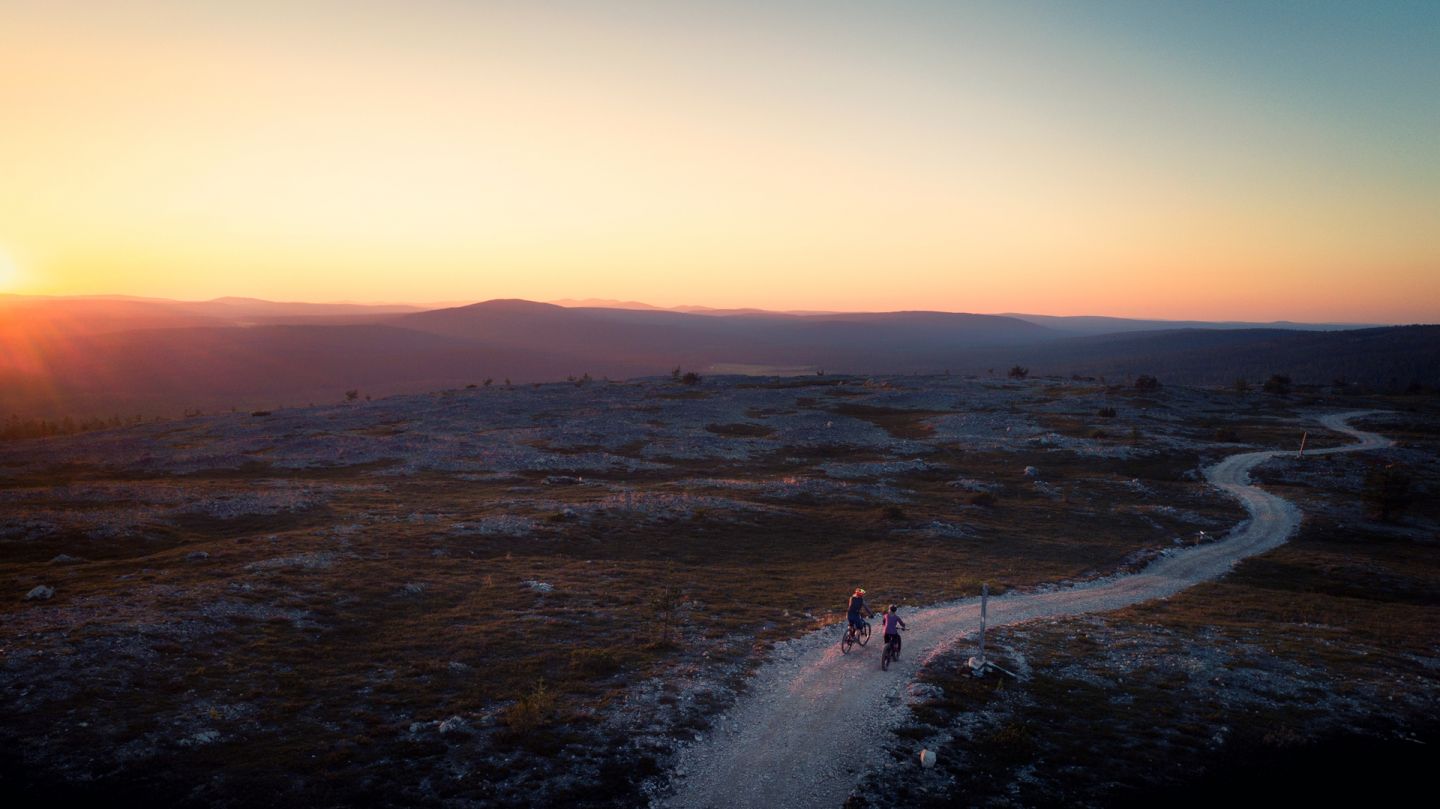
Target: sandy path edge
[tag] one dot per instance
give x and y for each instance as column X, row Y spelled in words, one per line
column 798, row 736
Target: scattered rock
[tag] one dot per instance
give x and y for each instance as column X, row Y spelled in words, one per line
column 923, row 692
column 65, row 559
column 927, row 758
column 1048, row 490
column 969, row 485
column 40, row 593
column 413, row 588
column 538, row 586
column 1032, row 472
column 454, row 724
column 945, row 529
column 196, row 556
column 201, row 738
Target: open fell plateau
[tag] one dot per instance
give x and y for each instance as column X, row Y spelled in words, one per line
column 533, row 595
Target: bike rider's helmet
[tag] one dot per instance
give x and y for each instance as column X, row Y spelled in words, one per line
column 859, row 591
column 892, row 608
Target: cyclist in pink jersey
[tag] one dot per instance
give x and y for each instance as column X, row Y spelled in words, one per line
column 891, row 625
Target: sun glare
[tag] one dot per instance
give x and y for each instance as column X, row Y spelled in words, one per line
column 9, row 273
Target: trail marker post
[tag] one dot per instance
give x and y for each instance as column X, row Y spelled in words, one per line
column 984, row 617
column 978, row 664
column 1303, row 436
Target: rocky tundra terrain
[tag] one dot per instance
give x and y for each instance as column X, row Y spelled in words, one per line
column 547, row 594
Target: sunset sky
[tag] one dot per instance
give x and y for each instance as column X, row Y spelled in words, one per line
column 1218, row 160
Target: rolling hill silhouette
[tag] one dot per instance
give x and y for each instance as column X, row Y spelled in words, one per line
column 103, row 357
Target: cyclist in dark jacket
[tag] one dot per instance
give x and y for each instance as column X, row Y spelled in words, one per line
column 857, row 603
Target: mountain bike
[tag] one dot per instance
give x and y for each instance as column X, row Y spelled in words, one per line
column 853, row 636
column 892, row 652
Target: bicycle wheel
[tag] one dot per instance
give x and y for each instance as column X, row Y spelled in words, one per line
column 863, row 636
column 885, row 659
column 846, row 641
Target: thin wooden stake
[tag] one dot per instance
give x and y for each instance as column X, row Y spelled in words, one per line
column 977, row 663
column 1303, row 437
column 984, row 615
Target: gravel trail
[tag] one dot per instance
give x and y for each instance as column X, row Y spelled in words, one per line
column 798, row 737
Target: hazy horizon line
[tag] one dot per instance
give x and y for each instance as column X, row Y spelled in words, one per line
column 607, row 303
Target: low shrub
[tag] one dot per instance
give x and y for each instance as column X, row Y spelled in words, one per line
column 532, row 710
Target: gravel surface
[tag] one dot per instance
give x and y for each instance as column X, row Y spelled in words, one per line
column 799, row 736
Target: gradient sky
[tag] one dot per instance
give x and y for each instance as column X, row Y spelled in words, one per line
column 1218, row 160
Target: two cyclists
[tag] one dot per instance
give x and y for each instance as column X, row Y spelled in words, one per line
column 857, row 630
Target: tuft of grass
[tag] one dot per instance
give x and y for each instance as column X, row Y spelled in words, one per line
column 532, row 710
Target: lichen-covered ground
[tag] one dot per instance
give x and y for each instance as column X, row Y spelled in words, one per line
column 525, row 596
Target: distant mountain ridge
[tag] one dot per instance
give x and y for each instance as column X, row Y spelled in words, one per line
column 94, row 356
column 1073, row 324
column 1094, row 324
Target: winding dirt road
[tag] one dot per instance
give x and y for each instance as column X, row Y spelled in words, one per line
column 797, row 737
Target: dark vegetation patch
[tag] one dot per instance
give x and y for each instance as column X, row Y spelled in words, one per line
column 899, row 423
